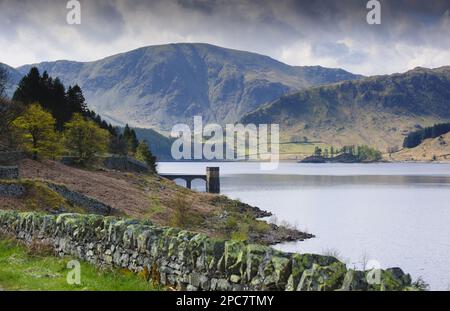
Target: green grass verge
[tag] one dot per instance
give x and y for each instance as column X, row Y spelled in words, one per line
column 22, row 270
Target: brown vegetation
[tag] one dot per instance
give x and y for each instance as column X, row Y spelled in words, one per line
column 148, row 196
column 435, row 149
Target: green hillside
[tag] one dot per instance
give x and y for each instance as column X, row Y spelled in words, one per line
column 159, row 86
column 377, row 111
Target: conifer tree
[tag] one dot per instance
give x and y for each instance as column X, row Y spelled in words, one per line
column 144, row 154
column 130, row 137
column 3, row 80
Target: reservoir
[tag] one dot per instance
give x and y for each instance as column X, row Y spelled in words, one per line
column 391, row 214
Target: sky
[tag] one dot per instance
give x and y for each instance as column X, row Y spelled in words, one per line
column 305, row 32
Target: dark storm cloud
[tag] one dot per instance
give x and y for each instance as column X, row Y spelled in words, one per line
column 302, row 32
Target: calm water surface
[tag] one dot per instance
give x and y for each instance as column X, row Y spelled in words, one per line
column 396, row 214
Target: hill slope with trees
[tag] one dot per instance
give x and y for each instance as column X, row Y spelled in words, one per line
column 378, row 111
column 47, row 121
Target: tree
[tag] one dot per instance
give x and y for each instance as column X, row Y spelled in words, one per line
column 318, row 152
column 8, row 113
column 29, row 90
column 85, row 139
column 76, row 100
column 416, row 138
column 58, row 104
column 131, row 139
column 368, row 154
column 144, row 154
column 37, row 133
column 3, row 81
column 118, row 145
column 52, row 96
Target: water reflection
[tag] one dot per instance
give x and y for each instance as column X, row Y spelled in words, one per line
column 397, row 214
column 250, row 182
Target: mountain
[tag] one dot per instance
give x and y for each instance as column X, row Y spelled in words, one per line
column 14, row 77
column 377, row 111
column 159, row 86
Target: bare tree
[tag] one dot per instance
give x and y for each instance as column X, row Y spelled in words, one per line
column 392, row 149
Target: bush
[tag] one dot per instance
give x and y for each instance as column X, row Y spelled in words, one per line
column 368, row 154
column 183, row 216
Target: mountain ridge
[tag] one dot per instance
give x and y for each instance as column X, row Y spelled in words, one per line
column 158, row 86
column 13, row 77
column 376, row 110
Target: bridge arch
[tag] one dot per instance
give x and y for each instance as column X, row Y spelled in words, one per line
column 212, row 179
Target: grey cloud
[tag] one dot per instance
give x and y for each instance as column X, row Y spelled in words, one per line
column 330, row 29
column 338, row 51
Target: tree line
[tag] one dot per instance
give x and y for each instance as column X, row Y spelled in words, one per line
column 362, row 153
column 47, row 121
column 415, row 138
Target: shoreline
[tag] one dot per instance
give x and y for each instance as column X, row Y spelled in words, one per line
column 299, row 162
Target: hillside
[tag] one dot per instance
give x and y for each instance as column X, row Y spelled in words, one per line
column 147, row 196
column 159, row 86
column 14, row 77
column 377, row 111
column 433, row 149
column 160, row 145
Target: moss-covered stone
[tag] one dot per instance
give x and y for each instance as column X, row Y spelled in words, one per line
column 190, row 260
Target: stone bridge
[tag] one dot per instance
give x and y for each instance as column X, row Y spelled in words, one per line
column 212, row 179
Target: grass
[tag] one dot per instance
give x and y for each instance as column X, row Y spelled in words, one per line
column 155, row 207
column 184, row 216
column 39, row 197
column 22, row 268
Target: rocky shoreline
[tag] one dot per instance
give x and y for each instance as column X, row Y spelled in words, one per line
column 276, row 233
column 342, row 158
column 280, row 234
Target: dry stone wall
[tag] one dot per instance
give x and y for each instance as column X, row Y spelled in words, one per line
column 10, row 157
column 187, row 260
column 12, row 190
column 9, row 172
column 91, row 205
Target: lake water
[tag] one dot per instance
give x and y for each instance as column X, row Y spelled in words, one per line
column 393, row 214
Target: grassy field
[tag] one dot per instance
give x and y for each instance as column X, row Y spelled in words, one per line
column 38, row 270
